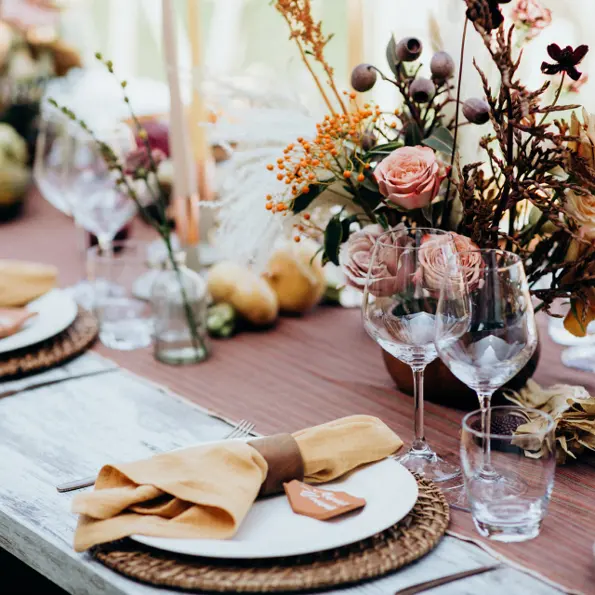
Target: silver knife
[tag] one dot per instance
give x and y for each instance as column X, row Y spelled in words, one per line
column 427, row 585
column 44, row 383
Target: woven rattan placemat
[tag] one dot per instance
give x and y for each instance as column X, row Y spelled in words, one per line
column 71, row 342
column 405, row 542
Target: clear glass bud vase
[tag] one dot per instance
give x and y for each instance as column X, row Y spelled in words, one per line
column 179, row 301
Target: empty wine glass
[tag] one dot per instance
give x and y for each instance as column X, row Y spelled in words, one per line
column 51, row 170
column 399, row 312
column 53, row 158
column 98, row 203
column 486, row 331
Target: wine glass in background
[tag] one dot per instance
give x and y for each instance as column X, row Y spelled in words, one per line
column 98, row 203
column 486, row 332
column 53, row 158
column 399, row 312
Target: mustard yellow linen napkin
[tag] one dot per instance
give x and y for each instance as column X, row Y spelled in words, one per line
column 204, row 492
column 22, row 282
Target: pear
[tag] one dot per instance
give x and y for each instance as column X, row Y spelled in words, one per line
column 245, row 291
column 296, row 275
column 14, row 181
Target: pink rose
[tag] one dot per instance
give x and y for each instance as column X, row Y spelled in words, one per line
column 434, row 254
column 410, row 177
column 386, row 272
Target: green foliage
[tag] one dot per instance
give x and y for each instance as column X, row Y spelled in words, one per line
column 382, row 150
column 383, row 220
column 413, row 134
column 391, row 55
column 440, row 140
column 303, row 201
column 333, row 237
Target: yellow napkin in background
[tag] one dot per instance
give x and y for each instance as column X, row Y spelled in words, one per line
column 204, row 492
column 22, row 282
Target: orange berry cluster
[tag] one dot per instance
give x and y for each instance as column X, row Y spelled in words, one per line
column 302, row 160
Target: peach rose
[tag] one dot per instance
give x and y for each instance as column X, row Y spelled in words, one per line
column 581, row 207
column 585, row 131
column 582, row 312
column 434, row 255
column 410, row 177
column 356, row 259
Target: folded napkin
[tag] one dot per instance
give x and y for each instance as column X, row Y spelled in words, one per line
column 22, row 282
column 204, row 492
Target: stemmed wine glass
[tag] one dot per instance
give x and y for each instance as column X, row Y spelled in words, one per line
column 52, row 158
column 486, row 331
column 399, row 312
column 98, row 203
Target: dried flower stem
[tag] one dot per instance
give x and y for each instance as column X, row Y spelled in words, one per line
column 446, row 210
column 298, row 16
column 305, row 60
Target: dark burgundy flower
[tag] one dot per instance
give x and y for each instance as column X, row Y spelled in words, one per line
column 479, row 9
column 566, row 60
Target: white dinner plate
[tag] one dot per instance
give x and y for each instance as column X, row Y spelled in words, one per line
column 271, row 529
column 55, row 311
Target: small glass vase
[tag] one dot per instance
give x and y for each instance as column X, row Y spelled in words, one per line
column 179, row 301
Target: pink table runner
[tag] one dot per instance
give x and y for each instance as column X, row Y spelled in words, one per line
column 323, row 366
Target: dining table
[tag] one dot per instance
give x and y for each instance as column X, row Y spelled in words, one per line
column 304, row 371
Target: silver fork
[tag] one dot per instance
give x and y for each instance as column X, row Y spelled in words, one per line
column 242, row 429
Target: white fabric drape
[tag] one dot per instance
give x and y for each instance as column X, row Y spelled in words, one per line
column 241, row 34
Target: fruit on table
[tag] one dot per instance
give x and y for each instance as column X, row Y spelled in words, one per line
column 249, row 294
column 21, row 282
column 221, row 320
column 14, row 181
column 13, row 148
column 296, row 275
column 15, row 176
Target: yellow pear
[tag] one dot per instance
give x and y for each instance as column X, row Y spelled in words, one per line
column 296, row 275
column 247, row 292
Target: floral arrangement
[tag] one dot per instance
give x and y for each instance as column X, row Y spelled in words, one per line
column 533, row 191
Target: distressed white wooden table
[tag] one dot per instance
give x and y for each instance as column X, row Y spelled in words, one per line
column 67, row 430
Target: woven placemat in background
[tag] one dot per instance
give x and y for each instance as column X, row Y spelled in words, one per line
column 73, row 341
column 410, row 539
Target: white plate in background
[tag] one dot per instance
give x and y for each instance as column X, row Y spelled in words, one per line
column 56, row 311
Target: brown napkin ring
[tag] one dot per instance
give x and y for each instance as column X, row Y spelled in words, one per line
column 283, row 456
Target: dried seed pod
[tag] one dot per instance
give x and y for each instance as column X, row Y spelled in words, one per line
column 363, row 77
column 422, row 90
column 408, row 49
column 476, row 110
column 368, row 141
column 442, row 66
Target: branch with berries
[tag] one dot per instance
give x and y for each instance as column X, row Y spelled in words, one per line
column 533, row 193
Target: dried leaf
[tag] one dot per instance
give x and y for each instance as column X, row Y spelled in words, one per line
column 435, row 35
column 573, row 410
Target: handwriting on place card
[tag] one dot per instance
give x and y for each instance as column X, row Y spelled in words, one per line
column 318, row 503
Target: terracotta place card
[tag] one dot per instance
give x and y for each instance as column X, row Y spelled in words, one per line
column 318, row 503
column 12, row 319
